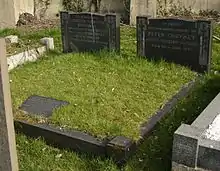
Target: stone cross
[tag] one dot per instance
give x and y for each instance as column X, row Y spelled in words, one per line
column 8, row 154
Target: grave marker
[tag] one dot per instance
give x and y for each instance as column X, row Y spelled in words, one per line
column 40, row 105
column 181, row 41
column 83, row 32
column 8, row 155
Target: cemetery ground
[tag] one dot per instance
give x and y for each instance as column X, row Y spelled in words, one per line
column 25, row 43
column 119, row 91
column 27, row 40
column 56, row 73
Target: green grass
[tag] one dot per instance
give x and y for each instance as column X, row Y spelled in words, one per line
column 34, row 155
column 153, row 155
column 109, row 94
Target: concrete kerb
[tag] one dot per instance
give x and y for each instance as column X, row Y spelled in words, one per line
column 21, row 58
column 30, row 55
column 191, row 150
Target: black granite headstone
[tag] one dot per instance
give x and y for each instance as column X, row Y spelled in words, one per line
column 43, row 106
column 184, row 42
column 82, row 32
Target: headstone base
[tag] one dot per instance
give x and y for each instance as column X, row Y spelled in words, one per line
column 180, row 167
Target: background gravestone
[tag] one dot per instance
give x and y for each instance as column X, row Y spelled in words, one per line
column 180, row 41
column 8, row 155
column 83, row 32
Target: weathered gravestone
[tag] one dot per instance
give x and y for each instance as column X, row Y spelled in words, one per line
column 83, row 32
column 184, row 42
column 8, row 156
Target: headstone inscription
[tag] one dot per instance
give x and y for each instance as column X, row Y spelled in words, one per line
column 83, row 32
column 184, row 42
column 8, row 155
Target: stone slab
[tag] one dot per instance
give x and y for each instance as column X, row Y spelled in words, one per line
column 185, row 144
column 48, row 42
column 199, row 152
column 209, row 154
column 40, row 105
column 208, row 114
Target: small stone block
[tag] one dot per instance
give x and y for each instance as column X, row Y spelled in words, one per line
column 49, row 42
column 120, row 148
column 11, row 39
column 209, row 154
column 43, row 106
column 185, row 145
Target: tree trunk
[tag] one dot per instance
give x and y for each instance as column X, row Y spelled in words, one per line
column 142, row 8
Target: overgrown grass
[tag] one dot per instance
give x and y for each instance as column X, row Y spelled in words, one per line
column 28, row 39
column 109, row 94
column 34, row 155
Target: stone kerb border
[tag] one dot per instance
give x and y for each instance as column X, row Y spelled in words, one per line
column 191, row 150
column 30, row 55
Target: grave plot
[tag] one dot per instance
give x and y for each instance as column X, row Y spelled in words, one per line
column 101, row 103
column 17, row 41
column 25, row 39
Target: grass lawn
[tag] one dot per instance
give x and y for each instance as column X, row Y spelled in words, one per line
column 109, row 94
column 154, row 154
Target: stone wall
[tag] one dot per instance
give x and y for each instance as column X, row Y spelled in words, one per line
column 51, row 11
column 194, row 5
column 7, row 13
column 197, row 5
column 24, row 6
column 106, row 6
column 10, row 9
